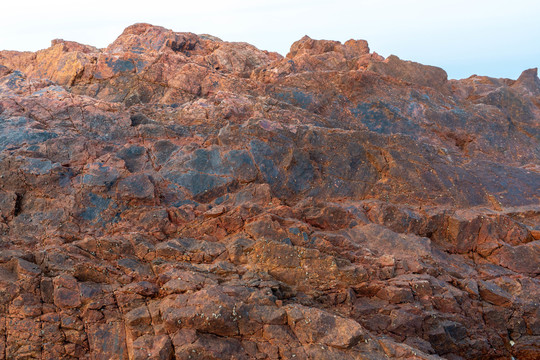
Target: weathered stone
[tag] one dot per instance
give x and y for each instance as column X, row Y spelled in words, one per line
column 174, row 195
column 107, row 341
column 395, row 294
column 209, row 311
column 66, row 292
column 493, row 294
column 319, row 327
column 153, row 347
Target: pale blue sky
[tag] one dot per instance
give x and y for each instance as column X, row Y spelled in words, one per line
column 495, row 38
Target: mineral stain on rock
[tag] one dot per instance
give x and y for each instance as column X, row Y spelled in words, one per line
column 175, row 196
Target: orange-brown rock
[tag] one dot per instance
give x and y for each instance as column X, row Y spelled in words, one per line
column 176, row 196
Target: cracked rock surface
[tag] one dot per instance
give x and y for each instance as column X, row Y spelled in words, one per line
column 176, row 196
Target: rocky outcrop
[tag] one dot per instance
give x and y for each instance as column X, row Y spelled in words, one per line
column 176, row 196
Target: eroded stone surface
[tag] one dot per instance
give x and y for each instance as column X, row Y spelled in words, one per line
column 175, row 196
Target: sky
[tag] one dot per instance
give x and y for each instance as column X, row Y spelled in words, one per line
column 465, row 37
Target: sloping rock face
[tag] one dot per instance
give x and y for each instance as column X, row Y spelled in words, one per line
column 175, row 196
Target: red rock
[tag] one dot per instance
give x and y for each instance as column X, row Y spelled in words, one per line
column 411, row 72
column 211, row 346
column 107, row 341
column 395, row 294
column 138, row 321
column 493, row 294
column 211, row 311
column 66, row 292
column 174, row 195
column 153, row 347
column 316, row 326
column 522, row 259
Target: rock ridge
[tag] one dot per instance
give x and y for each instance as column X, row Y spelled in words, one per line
column 177, row 196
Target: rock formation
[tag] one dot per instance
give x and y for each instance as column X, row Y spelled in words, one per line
column 175, row 196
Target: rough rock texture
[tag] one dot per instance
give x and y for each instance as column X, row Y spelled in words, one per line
column 175, row 196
